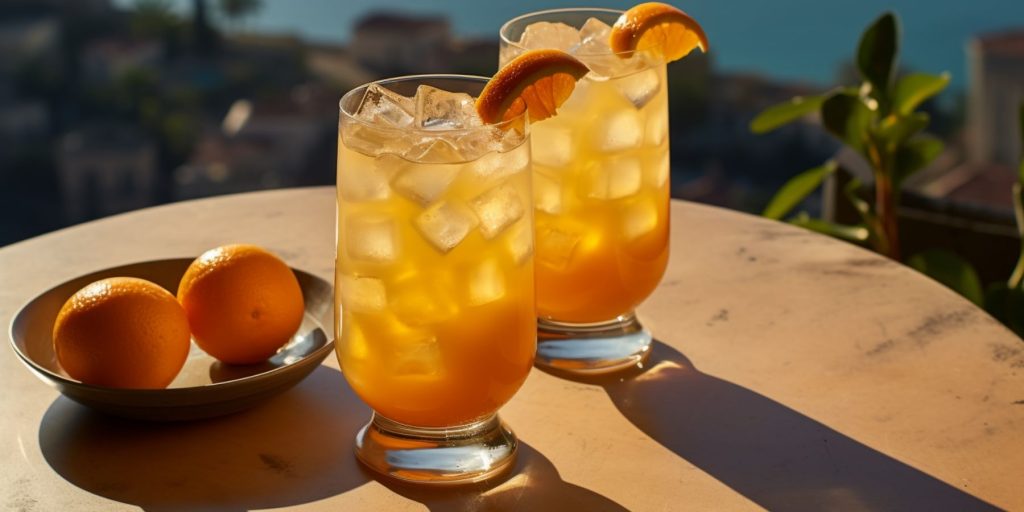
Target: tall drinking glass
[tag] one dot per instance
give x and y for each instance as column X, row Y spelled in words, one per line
column 434, row 275
column 601, row 193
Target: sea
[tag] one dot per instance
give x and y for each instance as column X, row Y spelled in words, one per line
column 806, row 41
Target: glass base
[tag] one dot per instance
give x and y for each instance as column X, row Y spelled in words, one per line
column 451, row 455
column 591, row 349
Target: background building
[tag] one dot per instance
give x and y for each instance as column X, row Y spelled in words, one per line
column 104, row 169
column 996, row 89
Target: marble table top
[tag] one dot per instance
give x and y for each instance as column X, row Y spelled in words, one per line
column 791, row 372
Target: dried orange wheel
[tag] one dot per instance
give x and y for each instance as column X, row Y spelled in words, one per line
column 659, row 29
column 537, row 80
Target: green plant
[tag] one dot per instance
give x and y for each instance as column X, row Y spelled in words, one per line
column 879, row 120
column 1005, row 301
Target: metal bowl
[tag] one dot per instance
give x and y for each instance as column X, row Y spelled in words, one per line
column 205, row 387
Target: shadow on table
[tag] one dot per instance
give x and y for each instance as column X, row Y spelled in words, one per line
column 773, row 455
column 533, row 484
column 295, row 449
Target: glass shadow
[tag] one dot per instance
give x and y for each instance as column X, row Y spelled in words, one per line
column 532, row 484
column 769, row 453
column 295, row 449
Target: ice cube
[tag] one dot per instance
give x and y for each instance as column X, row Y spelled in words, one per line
column 620, row 130
column 639, row 219
column 371, row 140
column 422, row 300
column 659, row 172
column 511, row 138
column 656, row 130
column 640, row 87
column 442, row 110
column 596, row 32
column 360, row 178
column 352, row 337
column 555, row 246
column 424, row 183
column 595, row 51
column 520, row 241
column 477, row 143
column 371, row 238
column 497, row 209
column 382, row 105
column 497, row 166
column 602, row 65
column 552, row 144
column 544, row 34
column 486, row 283
column 420, row 355
column 507, row 53
column 362, row 294
column 547, row 193
column 614, row 178
column 434, row 150
column 445, row 224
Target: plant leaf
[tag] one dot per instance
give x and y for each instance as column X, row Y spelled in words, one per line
column 996, row 297
column 867, row 217
column 914, row 89
column 951, row 270
column 1006, row 305
column 1020, row 114
column 847, row 117
column 877, row 54
column 895, row 130
column 786, row 112
column 913, row 155
column 862, row 206
column 1018, row 208
column 857, row 234
column 797, row 189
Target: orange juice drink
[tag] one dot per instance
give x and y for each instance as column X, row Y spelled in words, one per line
column 434, row 276
column 601, row 181
column 601, row 193
column 434, row 271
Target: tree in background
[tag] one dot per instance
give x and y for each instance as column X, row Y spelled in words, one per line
column 238, row 10
column 154, row 19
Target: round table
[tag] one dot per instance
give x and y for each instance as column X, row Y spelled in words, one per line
column 791, row 371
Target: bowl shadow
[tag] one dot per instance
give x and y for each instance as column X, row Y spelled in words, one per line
column 769, row 453
column 294, row 449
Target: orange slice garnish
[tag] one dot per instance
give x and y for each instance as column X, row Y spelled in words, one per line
column 660, row 29
column 538, row 81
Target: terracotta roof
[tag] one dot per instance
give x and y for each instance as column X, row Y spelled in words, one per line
column 1009, row 42
column 982, row 184
column 398, row 22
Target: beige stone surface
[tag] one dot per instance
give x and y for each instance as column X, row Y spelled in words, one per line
column 792, row 372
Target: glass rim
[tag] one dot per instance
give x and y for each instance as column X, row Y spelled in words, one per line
column 503, row 31
column 352, row 117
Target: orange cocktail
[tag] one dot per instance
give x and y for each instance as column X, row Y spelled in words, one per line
column 434, row 272
column 601, row 186
column 601, row 191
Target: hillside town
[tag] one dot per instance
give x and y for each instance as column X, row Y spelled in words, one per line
column 106, row 109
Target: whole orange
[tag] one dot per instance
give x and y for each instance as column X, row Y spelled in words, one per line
column 243, row 303
column 122, row 332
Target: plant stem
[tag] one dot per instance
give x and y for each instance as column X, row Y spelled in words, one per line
column 886, row 203
column 1018, row 209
